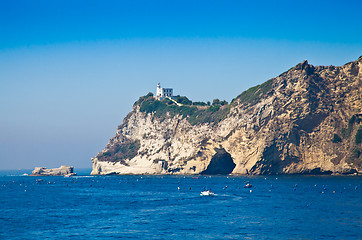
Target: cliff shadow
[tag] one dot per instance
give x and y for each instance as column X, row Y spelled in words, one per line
column 221, row 163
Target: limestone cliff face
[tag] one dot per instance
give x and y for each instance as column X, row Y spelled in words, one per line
column 307, row 120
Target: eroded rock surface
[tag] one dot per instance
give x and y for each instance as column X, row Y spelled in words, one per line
column 61, row 171
column 306, row 121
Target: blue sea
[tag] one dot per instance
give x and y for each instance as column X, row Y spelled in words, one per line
column 170, row 207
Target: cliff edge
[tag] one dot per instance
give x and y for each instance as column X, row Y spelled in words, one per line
column 308, row 120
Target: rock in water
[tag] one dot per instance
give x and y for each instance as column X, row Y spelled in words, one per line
column 308, row 120
column 63, row 170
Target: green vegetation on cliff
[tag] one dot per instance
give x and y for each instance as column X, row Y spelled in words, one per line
column 196, row 114
column 358, row 137
column 120, row 151
column 183, row 100
column 348, row 133
column 256, row 93
column 355, row 119
column 336, row 139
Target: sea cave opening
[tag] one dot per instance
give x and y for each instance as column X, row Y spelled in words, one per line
column 221, row 163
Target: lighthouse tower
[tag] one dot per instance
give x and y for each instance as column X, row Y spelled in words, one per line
column 159, row 91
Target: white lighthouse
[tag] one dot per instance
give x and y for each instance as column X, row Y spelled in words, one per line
column 162, row 93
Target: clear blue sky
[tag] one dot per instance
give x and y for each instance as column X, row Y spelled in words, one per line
column 71, row 70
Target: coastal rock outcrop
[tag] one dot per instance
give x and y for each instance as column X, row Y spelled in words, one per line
column 308, row 120
column 61, row 171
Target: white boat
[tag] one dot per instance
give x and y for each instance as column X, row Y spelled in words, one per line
column 207, row 193
column 248, row 185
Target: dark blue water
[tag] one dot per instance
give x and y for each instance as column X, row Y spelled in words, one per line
column 152, row 207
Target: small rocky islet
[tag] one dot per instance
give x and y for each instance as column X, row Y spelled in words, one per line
column 308, row 120
column 61, row 171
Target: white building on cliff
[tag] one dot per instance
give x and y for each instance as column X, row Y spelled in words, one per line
column 162, row 93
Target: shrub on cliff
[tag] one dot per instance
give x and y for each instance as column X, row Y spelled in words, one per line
column 141, row 99
column 218, row 102
column 199, row 103
column 183, row 100
column 336, row 138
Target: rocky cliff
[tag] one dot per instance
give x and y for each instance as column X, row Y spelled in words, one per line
column 308, row 120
